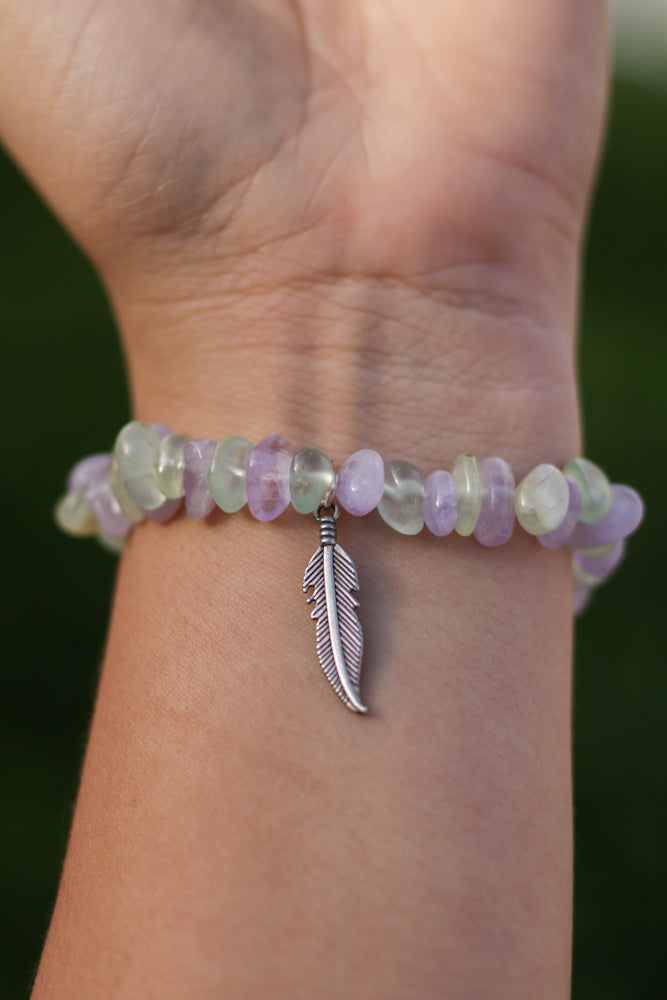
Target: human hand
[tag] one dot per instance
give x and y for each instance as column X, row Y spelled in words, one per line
column 357, row 178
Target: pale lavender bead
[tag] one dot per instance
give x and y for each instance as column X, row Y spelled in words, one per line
column 86, row 469
column 267, row 477
column 360, row 482
column 582, row 595
column 162, row 429
column 495, row 523
column 560, row 535
column 440, row 503
column 103, row 503
column 165, row 511
column 601, row 565
column 624, row 516
column 198, row 500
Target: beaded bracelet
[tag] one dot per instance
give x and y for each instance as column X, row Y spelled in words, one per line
column 151, row 469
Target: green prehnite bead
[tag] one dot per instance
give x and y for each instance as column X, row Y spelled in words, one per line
column 599, row 552
column 542, row 500
column 130, row 509
column 311, row 477
column 74, row 515
column 135, row 450
column 583, row 576
column 402, row 503
column 169, row 465
column 594, row 487
column 468, row 480
column 226, row 474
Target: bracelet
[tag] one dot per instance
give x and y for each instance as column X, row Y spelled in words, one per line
column 151, row 469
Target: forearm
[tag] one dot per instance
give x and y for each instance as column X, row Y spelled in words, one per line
column 237, row 830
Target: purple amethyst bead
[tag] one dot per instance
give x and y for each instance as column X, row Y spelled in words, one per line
column 162, row 429
column 495, row 523
column 88, row 468
column 624, row 516
column 165, row 512
column 440, row 503
column 198, row 500
column 601, row 566
column 267, row 477
column 361, row 482
column 560, row 535
column 103, row 503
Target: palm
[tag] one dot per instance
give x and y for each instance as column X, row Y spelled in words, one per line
column 368, row 139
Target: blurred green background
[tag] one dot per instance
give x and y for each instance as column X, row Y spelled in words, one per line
column 64, row 396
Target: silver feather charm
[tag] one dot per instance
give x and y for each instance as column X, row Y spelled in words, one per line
column 340, row 642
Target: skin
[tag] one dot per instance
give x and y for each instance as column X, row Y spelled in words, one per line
column 357, row 224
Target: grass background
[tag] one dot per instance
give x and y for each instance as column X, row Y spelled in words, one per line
column 63, row 396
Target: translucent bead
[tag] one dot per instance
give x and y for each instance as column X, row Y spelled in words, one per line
column 593, row 569
column 226, row 476
column 87, row 467
column 267, row 477
column 542, row 500
column 162, row 429
column 560, row 535
column 310, row 479
column 105, row 507
column 469, row 493
column 135, row 450
column 599, row 552
column 198, row 500
column 130, row 509
column 593, row 486
column 165, row 513
column 495, row 523
column 361, row 482
column 440, row 504
column 169, row 466
column 74, row 515
column 624, row 516
column 402, row 503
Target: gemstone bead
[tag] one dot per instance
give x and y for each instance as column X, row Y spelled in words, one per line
column 267, row 477
column 468, row 492
column 542, row 500
column 90, row 466
column 560, row 535
column 226, row 477
column 198, row 500
column 164, row 513
column 135, row 450
column 360, row 482
column 624, row 516
column 310, row 480
column 162, row 430
column 598, row 567
column 402, row 503
column 440, row 504
column 74, row 515
column 131, row 509
column 495, row 523
column 594, row 487
column 105, row 507
column 169, row 465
